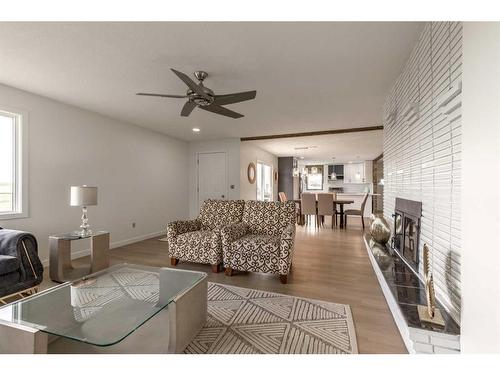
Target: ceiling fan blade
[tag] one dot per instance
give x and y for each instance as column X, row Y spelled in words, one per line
column 161, row 95
column 190, row 83
column 221, row 111
column 234, row 98
column 188, row 108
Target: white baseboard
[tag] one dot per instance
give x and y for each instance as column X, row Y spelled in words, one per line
column 112, row 245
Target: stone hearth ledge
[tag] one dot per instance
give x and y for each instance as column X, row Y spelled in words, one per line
column 403, row 291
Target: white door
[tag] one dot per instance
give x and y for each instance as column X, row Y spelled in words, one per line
column 212, row 181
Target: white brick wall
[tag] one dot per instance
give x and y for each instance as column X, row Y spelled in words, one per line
column 433, row 342
column 422, row 147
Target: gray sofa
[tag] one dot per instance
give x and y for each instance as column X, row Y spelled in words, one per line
column 20, row 267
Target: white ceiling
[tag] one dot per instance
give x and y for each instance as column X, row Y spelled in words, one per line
column 322, row 148
column 308, row 76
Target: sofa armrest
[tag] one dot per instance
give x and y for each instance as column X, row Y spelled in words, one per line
column 22, row 245
column 176, row 228
column 286, row 249
column 231, row 233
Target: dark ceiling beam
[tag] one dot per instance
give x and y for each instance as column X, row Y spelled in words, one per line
column 308, row 134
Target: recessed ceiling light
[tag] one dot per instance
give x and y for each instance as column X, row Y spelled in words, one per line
column 196, row 130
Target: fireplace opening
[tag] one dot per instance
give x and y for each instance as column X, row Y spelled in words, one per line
column 405, row 240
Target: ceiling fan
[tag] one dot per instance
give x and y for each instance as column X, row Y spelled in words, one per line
column 204, row 98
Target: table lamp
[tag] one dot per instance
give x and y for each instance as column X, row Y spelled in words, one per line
column 84, row 196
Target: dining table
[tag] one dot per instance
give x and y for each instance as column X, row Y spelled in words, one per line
column 340, row 202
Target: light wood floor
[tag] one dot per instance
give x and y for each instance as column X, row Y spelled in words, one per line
column 329, row 265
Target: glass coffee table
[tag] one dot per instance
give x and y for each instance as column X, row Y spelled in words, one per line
column 123, row 309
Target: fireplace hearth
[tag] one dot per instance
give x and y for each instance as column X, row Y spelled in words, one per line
column 406, row 233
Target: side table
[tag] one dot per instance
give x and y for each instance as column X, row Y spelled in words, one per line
column 60, row 267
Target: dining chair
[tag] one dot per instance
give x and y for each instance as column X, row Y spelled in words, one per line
column 355, row 212
column 282, row 196
column 326, row 206
column 335, row 212
column 308, row 205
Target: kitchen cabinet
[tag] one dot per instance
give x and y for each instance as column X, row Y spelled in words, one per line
column 338, row 169
column 358, row 173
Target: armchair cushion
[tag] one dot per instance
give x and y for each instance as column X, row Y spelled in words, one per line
column 200, row 246
column 218, row 213
column 231, row 233
column 263, row 217
column 9, row 264
column 254, row 252
column 269, row 217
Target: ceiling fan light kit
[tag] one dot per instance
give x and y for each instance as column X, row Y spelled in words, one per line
column 204, row 98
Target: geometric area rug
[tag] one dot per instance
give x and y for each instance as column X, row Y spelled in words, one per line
column 246, row 321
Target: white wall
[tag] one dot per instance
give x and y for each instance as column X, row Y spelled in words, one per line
column 250, row 153
column 481, row 188
column 422, row 154
column 231, row 146
column 141, row 175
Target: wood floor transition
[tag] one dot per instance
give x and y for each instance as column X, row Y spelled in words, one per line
column 329, row 265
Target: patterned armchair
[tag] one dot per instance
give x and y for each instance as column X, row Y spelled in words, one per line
column 263, row 241
column 199, row 240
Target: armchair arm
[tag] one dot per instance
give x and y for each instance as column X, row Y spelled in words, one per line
column 231, row 233
column 176, row 228
column 286, row 249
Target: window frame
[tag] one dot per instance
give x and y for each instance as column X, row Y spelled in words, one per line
column 321, row 168
column 20, row 192
column 264, row 164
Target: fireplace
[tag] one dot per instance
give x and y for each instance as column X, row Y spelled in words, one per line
column 405, row 240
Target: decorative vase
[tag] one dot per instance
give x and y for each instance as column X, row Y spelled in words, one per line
column 380, row 230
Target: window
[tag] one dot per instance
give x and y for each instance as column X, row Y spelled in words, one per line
column 13, row 200
column 314, row 178
column 264, row 182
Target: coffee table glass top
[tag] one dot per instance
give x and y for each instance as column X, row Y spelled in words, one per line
column 76, row 235
column 103, row 308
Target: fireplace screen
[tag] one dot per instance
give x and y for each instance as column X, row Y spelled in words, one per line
column 410, row 249
column 407, row 230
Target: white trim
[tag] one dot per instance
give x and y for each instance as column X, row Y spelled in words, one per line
column 270, row 165
column 21, row 149
column 113, row 245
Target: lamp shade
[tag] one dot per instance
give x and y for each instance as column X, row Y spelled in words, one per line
column 83, row 196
